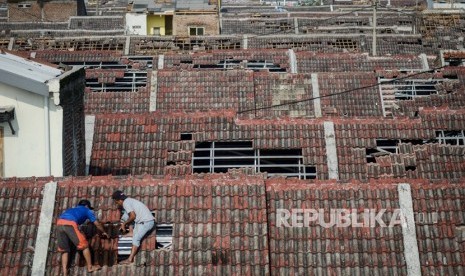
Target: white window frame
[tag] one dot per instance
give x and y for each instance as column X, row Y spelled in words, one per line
column 451, row 137
column 248, row 157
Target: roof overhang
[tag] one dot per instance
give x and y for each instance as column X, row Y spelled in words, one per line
column 20, row 81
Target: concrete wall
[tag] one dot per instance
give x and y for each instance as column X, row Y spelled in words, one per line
column 156, row 21
column 136, row 24
column 25, row 152
column 56, row 11
column 181, row 23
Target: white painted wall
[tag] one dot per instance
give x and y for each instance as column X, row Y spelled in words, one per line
column 25, row 151
column 136, row 24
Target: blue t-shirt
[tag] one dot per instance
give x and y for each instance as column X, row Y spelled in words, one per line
column 78, row 214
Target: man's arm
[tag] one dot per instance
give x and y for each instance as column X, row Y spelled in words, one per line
column 132, row 217
column 100, row 228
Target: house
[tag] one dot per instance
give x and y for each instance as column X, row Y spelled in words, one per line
column 44, row 11
column 41, row 118
column 180, row 18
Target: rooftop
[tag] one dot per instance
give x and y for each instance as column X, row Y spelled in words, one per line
column 228, row 223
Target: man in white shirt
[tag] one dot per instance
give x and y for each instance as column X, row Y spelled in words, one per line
column 137, row 213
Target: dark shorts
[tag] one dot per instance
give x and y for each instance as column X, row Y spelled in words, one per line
column 68, row 231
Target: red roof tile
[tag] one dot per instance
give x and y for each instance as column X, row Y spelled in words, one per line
column 226, row 223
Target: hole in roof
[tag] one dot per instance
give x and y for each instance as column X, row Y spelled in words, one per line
column 186, row 136
column 219, row 157
column 164, row 235
column 410, row 168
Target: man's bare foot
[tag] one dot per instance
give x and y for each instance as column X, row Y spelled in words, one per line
column 94, row 268
column 126, row 262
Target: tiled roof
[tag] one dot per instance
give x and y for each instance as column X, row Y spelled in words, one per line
column 192, row 60
column 317, row 250
column 116, row 102
column 358, row 103
column 20, row 203
column 145, row 143
column 151, row 143
column 203, row 90
column 77, row 56
column 219, row 224
column 227, row 224
column 425, row 160
column 439, row 228
column 312, row 62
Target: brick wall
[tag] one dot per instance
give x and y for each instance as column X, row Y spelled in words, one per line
column 57, row 11
column 72, row 101
column 181, row 23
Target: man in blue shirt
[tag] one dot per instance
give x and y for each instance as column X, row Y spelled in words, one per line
column 68, row 232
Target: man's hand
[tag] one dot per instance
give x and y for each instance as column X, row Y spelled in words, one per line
column 105, row 235
column 122, row 228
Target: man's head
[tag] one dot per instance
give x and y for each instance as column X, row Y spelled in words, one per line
column 118, row 196
column 85, row 202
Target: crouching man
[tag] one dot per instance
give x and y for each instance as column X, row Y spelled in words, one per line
column 68, row 232
column 138, row 213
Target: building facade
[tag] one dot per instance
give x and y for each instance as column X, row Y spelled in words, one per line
column 42, row 120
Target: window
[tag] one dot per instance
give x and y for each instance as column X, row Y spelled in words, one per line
column 255, row 65
column 164, row 235
column 383, row 147
column 393, row 90
column 451, row 137
column 219, row 157
column 24, row 5
column 156, row 31
column 164, row 240
column 196, row 30
column 388, row 146
column 186, row 136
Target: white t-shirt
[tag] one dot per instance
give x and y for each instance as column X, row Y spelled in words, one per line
column 143, row 213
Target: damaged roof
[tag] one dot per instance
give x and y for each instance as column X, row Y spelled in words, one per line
column 230, row 224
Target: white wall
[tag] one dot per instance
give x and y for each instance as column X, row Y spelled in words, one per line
column 136, row 24
column 25, row 151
